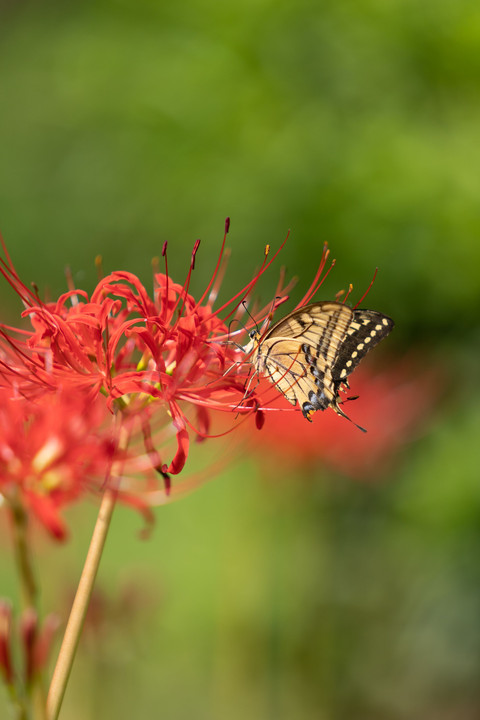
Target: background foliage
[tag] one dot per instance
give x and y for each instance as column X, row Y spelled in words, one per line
column 127, row 124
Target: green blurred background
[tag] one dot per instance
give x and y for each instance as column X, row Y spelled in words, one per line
column 125, row 124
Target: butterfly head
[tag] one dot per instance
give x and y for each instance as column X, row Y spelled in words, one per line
column 254, row 336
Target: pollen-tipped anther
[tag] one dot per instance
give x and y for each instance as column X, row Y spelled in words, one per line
column 194, row 253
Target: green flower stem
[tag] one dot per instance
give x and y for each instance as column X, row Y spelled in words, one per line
column 28, row 585
column 29, row 599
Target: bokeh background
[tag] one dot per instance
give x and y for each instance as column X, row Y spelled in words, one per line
column 280, row 589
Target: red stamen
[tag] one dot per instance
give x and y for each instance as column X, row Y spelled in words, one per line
column 9, row 263
column 246, row 290
column 164, row 255
column 314, row 287
column 367, row 290
column 194, row 252
column 349, row 292
column 219, row 263
column 183, row 297
column 327, row 273
column 219, row 279
column 99, row 266
column 24, row 293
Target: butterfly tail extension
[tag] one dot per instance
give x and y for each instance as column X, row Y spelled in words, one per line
column 340, row 412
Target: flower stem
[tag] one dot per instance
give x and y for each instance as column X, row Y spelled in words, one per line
column 29, row 599
column 80, row 605
column 28, row 585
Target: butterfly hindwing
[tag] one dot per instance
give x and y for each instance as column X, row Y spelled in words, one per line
column 297, row 354
column 297, row 372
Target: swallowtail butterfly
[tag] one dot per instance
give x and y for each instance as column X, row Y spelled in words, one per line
column 310, row 353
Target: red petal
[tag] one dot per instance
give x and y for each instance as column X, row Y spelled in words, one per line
column 47, row 512
column 178, row 461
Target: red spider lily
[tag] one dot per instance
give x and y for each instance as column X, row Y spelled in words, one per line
column 168, row 353
column 120, row 341
column 392, row 405
column 53, row 450
column 166, row 361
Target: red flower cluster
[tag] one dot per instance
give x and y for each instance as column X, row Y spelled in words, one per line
column 162, row 365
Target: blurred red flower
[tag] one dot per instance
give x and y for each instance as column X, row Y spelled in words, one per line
column 34, row 638
column 392, row 403
column 52, row 450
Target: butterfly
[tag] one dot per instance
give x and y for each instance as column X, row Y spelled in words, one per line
column 309, row 354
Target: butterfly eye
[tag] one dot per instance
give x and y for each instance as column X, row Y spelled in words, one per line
column 252, row 334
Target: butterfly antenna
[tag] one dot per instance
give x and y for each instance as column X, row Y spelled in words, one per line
column 244, row 303
column 232, row 342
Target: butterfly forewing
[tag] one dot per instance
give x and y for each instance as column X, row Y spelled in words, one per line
column 366, row 330
column 321, row 326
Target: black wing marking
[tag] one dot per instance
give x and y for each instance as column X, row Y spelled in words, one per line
column 366, row 330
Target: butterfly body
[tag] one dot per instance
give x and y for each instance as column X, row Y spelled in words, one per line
column 310, row 353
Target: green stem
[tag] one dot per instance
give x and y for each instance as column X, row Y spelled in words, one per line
column 28, row 585
column 29, row 599
column 17, row 704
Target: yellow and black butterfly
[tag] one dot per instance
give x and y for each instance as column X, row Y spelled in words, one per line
column 310, row 353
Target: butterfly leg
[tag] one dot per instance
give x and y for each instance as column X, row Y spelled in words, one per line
column 248, row 390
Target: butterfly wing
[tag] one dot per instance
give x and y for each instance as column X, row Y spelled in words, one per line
column 309, row 354
column 320, row 326
column 298, row 353
column 296, row 372
column 367, row 328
